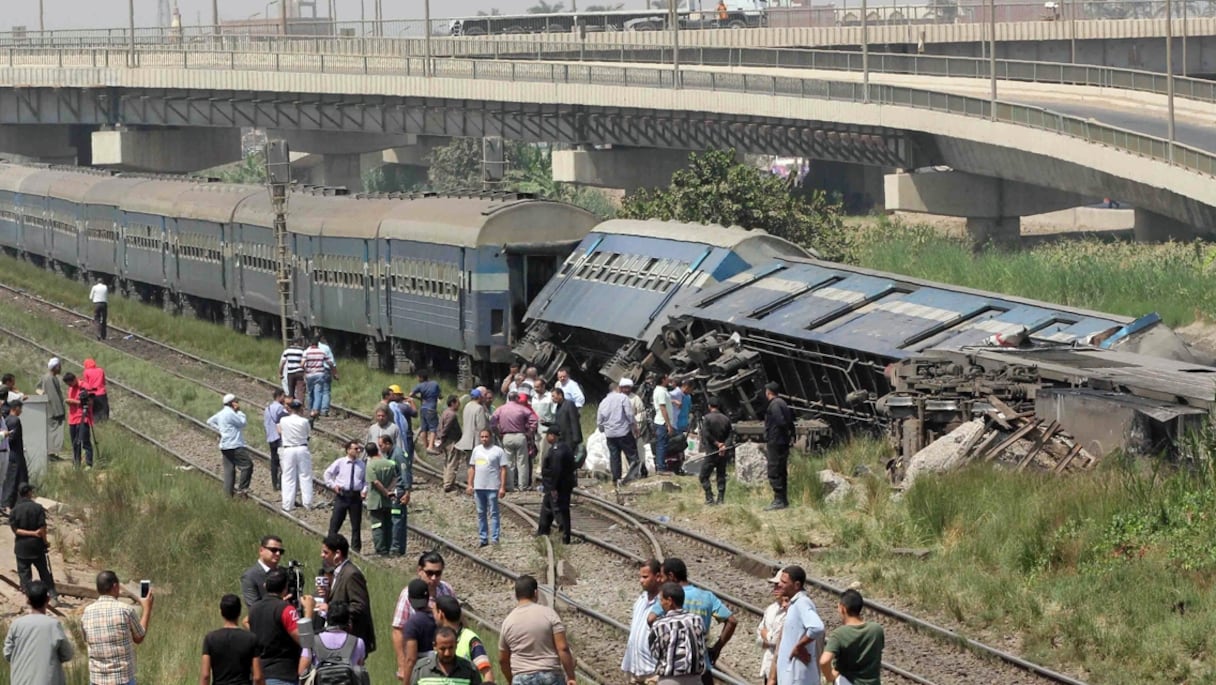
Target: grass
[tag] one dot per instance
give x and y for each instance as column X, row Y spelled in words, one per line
column 1174, row 279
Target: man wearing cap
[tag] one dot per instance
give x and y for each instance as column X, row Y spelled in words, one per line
column 515, row 423
column 559, row 477
column 56, row 411
column 778, row 434
column 30, row 547
column 476, row 419
column 230, row 422
column 718, row 445
column 615, row 419
column 403, row 411
column 295, row 430
column 418, row 633
column 768, row 633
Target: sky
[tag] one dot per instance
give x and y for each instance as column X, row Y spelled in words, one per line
column 77, row 14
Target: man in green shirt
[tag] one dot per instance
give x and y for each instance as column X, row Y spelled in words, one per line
column 382, row 480
column 443, row 667
column 855, row 646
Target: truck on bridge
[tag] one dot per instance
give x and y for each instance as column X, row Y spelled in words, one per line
column 693, row 14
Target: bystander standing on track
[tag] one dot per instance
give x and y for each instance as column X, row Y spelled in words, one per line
column 447, row 436
column 702, row 603
column 30, row 546
column 717, row 443
column 36, row 645
column 427, row 392
column 681, row 401
column 566, row 420
column 80, row 421
column 778, row 434
column 802, row 633
column 382, row 475
column 532, row 645
column 403, row 412
column 50, row 387
column 768, row 633
column 295, row 430
column 476, row 418
column 291, row 369
column 509, row 379
column 99, row 295
column 643, row 426
column 677, row 641
column 487, row 481
column 468, row 645
column 664, row 421
column 430, row 570
column 93, row 378
column 399, row 513
column 347, row 477
column 230, row 422
column 559, row 478
column 570, row 387
column 515, row 423
column 853, row 655
column 318, row 369
column 384, row 425
column 638, row 663
column 274, row 412
column 615, row 419
column 542, row 404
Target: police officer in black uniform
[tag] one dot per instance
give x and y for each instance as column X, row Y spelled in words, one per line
column 778, row 434
column 717, row 442
column 558, row 476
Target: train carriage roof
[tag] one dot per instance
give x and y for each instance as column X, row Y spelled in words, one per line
column 715, row 235
column 477, row 221
column 72, row 185
column 356, row 217
column 12, row 175
column 305, row 213
column 113, row 190
column 156, row 197
column 213, row 201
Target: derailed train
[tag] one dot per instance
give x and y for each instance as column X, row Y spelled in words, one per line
column 473, row 281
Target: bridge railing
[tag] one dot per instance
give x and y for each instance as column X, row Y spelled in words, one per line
column 52, row 67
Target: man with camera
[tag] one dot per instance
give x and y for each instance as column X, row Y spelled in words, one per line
column 111, row 631
column 276, row 624
column 80, row 421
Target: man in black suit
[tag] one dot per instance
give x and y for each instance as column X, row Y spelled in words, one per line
column 567, row 421
column 558, row 476
column 349, row 586
column 253, row 580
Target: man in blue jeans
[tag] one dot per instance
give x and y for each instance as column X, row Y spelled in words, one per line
column 488, row 483
column 664, row 421
column 428, row 391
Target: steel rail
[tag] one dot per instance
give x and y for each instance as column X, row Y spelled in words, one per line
column 469, row 555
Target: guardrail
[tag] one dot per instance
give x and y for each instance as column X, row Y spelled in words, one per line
column 1139, row 144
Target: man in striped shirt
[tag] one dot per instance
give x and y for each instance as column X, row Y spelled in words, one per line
column 291, row 369
column 317, row 370
column 677, row 640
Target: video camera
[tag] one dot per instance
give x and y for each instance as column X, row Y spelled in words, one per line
column 295, row 583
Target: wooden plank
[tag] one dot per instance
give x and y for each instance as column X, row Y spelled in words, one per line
column 971, row 442
column 998, row 419
column 983, row 446
column 1044, row 436
column 1017, row 435
column 1072, row 453
column 1010, row 414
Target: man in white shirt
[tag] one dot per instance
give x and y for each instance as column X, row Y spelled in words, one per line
column 664, row 421
column 570, row 387
column 99, row 295
column 296, row 461
column 639, row 663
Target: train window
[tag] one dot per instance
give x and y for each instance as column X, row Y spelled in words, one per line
column 496, row 322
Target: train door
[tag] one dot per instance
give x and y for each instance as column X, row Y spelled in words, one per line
column 528, row 274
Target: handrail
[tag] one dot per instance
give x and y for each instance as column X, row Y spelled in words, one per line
column 1040, row 118
column 1023, row 71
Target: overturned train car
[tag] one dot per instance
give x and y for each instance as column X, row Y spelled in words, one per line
column 859, row 349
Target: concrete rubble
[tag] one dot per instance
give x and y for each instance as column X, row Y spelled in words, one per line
column 944, row 454
column 836, row 487
column 751, row 465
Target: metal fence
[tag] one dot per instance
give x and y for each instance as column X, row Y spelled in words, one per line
column 625, row 76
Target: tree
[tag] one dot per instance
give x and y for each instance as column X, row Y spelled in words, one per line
column 251, row 169
column 543, row 7
column 716, row 189
column 492, row 13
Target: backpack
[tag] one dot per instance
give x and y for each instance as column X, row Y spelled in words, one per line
column 334, row 666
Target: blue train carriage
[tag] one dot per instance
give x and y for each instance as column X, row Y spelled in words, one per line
column 458, row 272
column 201, row 266
column 149, row 241
column 253, row 290
column 612, row 295
column 339, row 271
column 827, row 332
column 12, row 206
column 101, row 246
column 63, row 192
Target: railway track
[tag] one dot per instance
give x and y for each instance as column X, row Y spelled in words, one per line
column 489, row 602
column 914, row 646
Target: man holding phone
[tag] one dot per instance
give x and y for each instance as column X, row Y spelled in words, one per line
column 111, row 631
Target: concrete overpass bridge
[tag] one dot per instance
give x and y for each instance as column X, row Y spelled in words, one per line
column 1009, row 157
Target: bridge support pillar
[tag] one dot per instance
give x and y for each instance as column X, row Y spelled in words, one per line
column 992, row 206
column 859, row 185
column 340, row 170
column 166, row 150
column 1151, row 227
column 618, row 167
column 53, row 144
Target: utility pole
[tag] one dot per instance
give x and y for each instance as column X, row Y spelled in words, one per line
column 283, row 17
column 427, row 69
column 278, row 178
column 1169, row 75
column 1072, row 29
column 131, row 21
column 675, row 43
column 215, row 16
column 41, row 20
column 865, row 53
column 992, row 54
